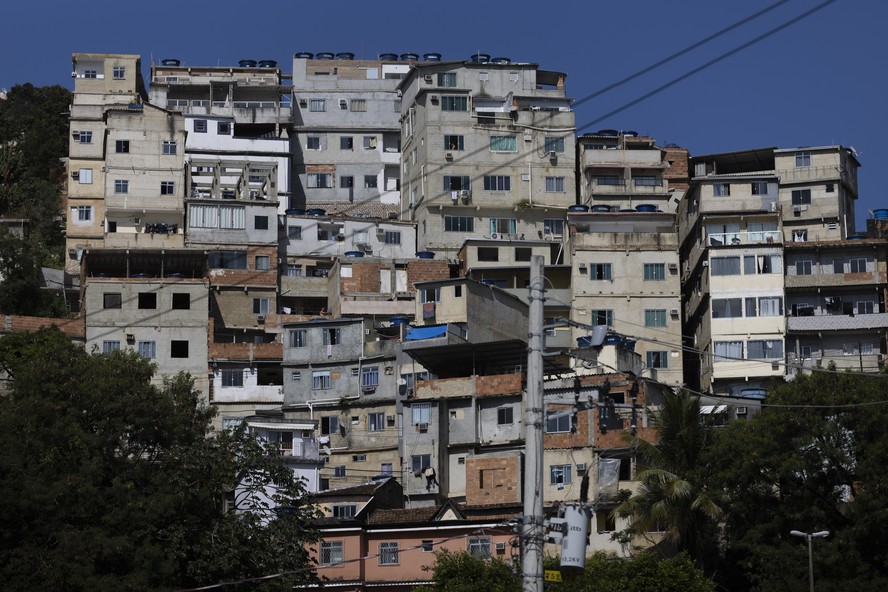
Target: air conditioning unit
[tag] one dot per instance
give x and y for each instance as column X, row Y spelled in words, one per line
column 75, row 174
column 705, row 264
column 303, row 102
column 501, row 546
column 673, row 267
column 528, row 136
column 428, row 78
column 741, row 411
column 673, row 312
column 552, row 154
column 465, row 195
column 260, row 319
column 343, row 103
column 368, row 389
column 581, row 468
column 422, row 428
column 448, row 155
column 774, row 206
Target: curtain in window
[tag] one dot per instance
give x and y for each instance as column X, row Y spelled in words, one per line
column 725, row 266
column 232, row 217
column 771, row 306
column 203, row 217
column 503, row 144
column 728, row 350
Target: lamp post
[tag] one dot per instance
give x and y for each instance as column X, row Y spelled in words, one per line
column 809, row 536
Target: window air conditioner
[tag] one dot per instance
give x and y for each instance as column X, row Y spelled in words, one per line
column 501, row 546
column 428, row 78
column 581, row 468
column 673, row 267
column 773, row 206
column 260, row 319
column 673, row 312
column 75, row 174
column 741, row 411
column 422, row 428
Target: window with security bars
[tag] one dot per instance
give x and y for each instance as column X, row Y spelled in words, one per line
column 503, row 144
column 655, row 271
column 497, row 183
column 479, row 547
column 557, row 422
column 420, row 413
column 453, row 103
column 331, row 552
column 370, row 377
column 601, row 317
column 388, row 553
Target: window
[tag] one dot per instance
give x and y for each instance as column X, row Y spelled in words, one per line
column 370, row 182
column 759, row 187
column 376, row 422
column 294, row 270
column 655, row 271
column 857, row 265
column 503, row 225
column 388, row 553
column 655, row 317
column 118, row 72
column 803, row 267
column 554, row 184
column 385, row 469
column 801, row 197
column 121, row 186
column 227, row 260
column 725, row 266
column 169, row 147
column 646, row 181
column 610, row 180
column 430, row 295
column 85, row 137
column 90, row 74
column 420, row 413
column 345, row 510
column 488, row 254
column 320, row 180
column 110, row 346
column 504, row 415
column 369, row 142
column 554, row 227
column 346, row 143
column 601, row 317
column 803, row 159
column 260, row 222
column 84, row 213
column 121, row 146
column 260, row 306
column 200, row 126
column 479, row 547
column 457, row 183
column 178, row 349
column 770, row 306
column 370, row 377
column 313, row 143
column 148, row 300
column 764, row 349
column 600, row 271
column 332, row 336
column 726, row 308
column 865, row 307
column 830, row 188
column 359, row 105
column 167, row 188
column 339, row 471
column 427, row 546
column 392, row 237
column 346, row 181
column 294, row 232
column 451, row 103
column 111, row 300
column 503, row 144
column 330, row 424
column 657, row 359
column 497, row 183
column 447, row 79
column 223, row 128
column 560, row 474
column 454, row 142
column 147, row 349
column 420, row 462
column 298, row 338
column 553, row 144
column 728, row 350
column 85, row 176
column 721, row 189
column 262, row 262
column 331, row 552
column 557, row 422
column 753, row 264
column 317, row 105
column 459, row 224
column 181, row 301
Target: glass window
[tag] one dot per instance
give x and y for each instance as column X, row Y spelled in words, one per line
column 313, row 143
column 147, row 300
column 554, row 227
column 554, row 184
column 262, row 262
column 457, row 183
column 759, row 187
column 447, row 79
column 118, row 72
column 600, row 271
column 232, row 377
column 451, row 103
column 346, row 143
column 298, row 338
column 260, row 306
column 85, row 137
column 503, row 144
column 370, row 377
column 345, row 510
column 803, row 159
column 503, row 226
column 601, row 317
column 147, row 349
column 388, row 553
column 657, row 359
column 721, row 189
column 376, row 422
column 420, row 413
column 346, row 181
column 857, row 265
column 454, row 142
column 420, row 462
column 560, row 474
column 85, row 176
column 359, row 105
column 392, row 237
column 764, row 349
column 84, row 213
column 329, row 423
column 331, row 552
column 553, row 144
column 725, row 266
column 223, row 128
column 332, row 336
column 497, row 183
column 726, row 308
column 121, row 186
column 371, row 182
column 110, row 346
column 479, row 547
column 801, row 197
column 504, row 415
column 557, row 422
column 655, row 317
column 294, row 232
column 803, row 267
column 317, row 105
column 169, row 147
column 459, row 224
column 121, row 146
column 655, row 271
column 770, row 306
column 728, row 350
column 319, row 180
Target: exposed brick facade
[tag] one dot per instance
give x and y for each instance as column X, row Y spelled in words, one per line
column 677, row 173
column 73, row 328
column 500, row 384
column 493, row 480
column 423, row 270
column 365, row 278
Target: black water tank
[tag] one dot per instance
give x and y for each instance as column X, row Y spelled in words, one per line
column 304, row 55
column 345, row 55
column 431, row 57
column 170, row 62
column 247, row 63
column 324, row 55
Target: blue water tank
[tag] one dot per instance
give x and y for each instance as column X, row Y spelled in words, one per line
column 268, row 64
column 425, row 254
column 315, row 212
column 345, row 55
column 409, row 57
column 354, row 253
column 578, row 208
column 501, row 61
column 431, row 57
column 601, row 208
column 857, row 237
column 295, row 212
column 646, row 208
column 324, row 55
column 480, row 58
column 304, row 55
column 388, row 57
column 880, row 214
column 247, row 63
column 398, row 321
column 613, row 339
column 170, row 62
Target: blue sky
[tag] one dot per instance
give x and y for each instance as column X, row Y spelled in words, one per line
column 818, row 82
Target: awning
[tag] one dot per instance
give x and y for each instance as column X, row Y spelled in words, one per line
column 711, row 409
column 418, row 333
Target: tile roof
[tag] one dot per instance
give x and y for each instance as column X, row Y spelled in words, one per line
column 401, row 516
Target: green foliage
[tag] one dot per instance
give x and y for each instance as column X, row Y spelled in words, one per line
column 461, row 572
column 643, row 573
column 20, row 290
column 810, row 461
column 672, row 495
column 110, row 483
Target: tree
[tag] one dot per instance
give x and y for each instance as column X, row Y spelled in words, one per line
column 672, row 495
column 110, row 483
column 645, row 572
column 463, row 572
column 813, row 459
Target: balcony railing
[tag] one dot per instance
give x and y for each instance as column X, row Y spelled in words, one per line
column 718, row 239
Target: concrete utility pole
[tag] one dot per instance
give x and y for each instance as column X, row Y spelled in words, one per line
column 532, row 528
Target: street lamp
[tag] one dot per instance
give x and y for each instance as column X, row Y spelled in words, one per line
column 809, row 536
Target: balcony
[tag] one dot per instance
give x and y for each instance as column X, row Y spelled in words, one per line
column 623, row 158
column 829, row 279
column 145, row 240
column 827, row 322
column 764, row 237
column 634, row 186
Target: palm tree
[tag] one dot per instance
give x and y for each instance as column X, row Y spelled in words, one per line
column 672, row 496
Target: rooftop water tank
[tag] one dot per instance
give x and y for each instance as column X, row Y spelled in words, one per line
column 600, row 208
column 247, row 63
column 324, row 55
column 630, row 133
column 354, row 253
column 578, row 208
column 170, row 62
column 295, row 212
column 268, row 64
column 409, row 57
column 431, row 57
column 304, row 55
column 646, row 208
column 881, row 214
column 425, row 254
column 315, row 212
column 480, row 58
column 398, row 321
column 345, row 55
column 608, row 132
column 501, row 61
column 388, row 57
column 857, row 237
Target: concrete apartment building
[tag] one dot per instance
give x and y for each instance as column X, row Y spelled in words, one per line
column 486, row 151
column 741, row 209
column 346, row 144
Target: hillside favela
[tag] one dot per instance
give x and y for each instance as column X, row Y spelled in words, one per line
column 396, row 324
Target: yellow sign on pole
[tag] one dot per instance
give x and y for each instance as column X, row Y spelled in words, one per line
column 551, row 575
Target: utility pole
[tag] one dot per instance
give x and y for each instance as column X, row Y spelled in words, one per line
column 532, row 527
